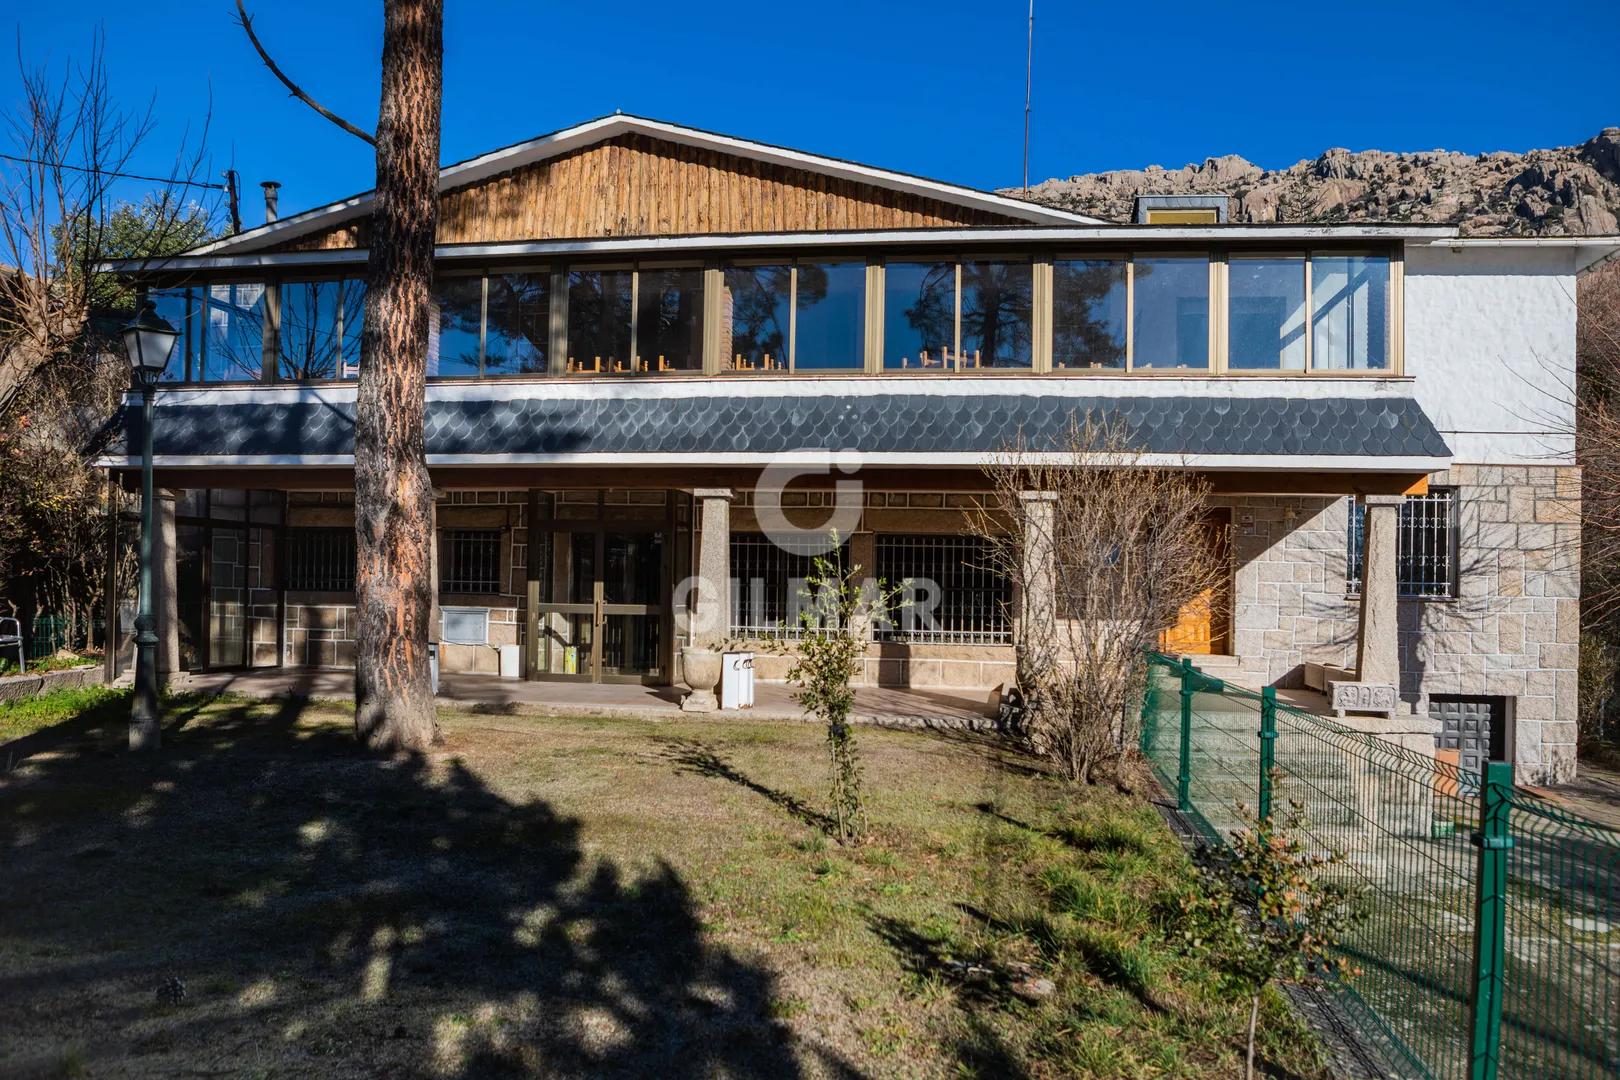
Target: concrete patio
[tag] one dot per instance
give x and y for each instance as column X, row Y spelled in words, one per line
column 772, row 701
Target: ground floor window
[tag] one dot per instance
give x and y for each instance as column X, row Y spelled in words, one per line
column 472, row 561
column 320, row 560
column 954, row 593
column 1426, row 546
column 768, row 582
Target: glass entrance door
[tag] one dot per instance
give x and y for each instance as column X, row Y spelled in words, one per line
column 605, row 621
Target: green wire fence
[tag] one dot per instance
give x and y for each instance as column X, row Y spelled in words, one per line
column 1492, row 944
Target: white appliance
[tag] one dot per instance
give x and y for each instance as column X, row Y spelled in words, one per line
column 509, row 661
column 737, row 680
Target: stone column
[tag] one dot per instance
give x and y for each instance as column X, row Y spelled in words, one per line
column 711, row 607
column 1036, row 635
column 165, row 594
column 1378, row 658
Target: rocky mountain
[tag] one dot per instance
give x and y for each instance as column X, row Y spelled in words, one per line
column 1572, row 190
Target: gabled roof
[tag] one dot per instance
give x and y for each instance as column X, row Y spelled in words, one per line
column 607, row 127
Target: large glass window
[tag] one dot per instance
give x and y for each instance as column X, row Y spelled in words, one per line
column 669, row 322
column 829, row 325
column 998, row 303
column 1170, row 312
column 309, row 329
column 1266, row 325
column 1349, row 312
column 233, row 333
column 599, row 320
column 1088, row 314
column 182, row 308
column 803, row 317
column 352, row 310
column 517, row 334
column 456, row 321
column 919, row 315
column 756, row 318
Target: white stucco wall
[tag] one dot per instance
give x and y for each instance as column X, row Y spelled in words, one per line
column 1490, row 340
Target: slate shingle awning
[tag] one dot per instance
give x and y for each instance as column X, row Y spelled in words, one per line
column 730, row 425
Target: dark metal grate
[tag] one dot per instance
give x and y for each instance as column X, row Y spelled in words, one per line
column 1426, row 546
column 767, row 583
column 956, row 595
column 320, row 560
column 472, row 561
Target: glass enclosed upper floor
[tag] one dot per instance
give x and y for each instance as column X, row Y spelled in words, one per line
column 902, row 313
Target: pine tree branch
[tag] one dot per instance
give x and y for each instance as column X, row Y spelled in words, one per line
column 246, row 22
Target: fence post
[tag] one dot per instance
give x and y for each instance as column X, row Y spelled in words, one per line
column 1268, row 747
column 1490, row 919
column 1146, row 734
column 1184, row 773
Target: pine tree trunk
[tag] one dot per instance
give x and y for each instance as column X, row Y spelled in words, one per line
column 393, row 495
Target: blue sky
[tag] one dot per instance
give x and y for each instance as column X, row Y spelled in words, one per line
column 932, row 88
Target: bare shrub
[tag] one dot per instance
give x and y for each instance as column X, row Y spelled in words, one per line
column 1107, row 556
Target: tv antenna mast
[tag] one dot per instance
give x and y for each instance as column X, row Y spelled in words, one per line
column 1029, row 77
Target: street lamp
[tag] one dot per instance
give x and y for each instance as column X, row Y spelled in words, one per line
column 149, row 340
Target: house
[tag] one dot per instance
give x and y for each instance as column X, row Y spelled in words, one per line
column 657, row 350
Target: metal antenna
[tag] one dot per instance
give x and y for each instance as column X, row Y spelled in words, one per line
column 1029, row 77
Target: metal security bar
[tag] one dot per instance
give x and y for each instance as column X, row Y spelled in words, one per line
column 1493, row 917
column 472, row 561
column 767, row 580
column 1426, row 546
column 320, row 560
column 956, row 596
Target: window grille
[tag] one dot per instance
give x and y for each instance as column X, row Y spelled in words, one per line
column 767, row 583
column 320, row 560
column 1426, row 546
column 956, row 595
column 472, row 561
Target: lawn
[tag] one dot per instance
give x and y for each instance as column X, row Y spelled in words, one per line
column 583, row 898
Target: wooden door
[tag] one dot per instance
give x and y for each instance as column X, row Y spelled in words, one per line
column 1205, row 625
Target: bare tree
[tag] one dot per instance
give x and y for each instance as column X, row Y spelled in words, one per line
column 1597, row 442
column 393, row 495
column 1105, row 551
column 67, row 204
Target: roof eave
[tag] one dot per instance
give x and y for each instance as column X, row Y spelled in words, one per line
column 526, row 153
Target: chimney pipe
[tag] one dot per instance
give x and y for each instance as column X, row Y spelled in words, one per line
column 270, row 187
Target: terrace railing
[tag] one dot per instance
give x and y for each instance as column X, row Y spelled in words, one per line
column 1492, row 946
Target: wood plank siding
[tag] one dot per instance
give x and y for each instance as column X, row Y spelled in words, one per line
column 634, row 185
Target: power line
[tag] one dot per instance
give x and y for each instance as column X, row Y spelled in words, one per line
column 122, row 175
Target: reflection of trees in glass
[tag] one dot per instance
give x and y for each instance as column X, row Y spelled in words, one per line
column 997, row 304
column 1088, row 312
column 309, row 329
column 460, row 304
column 519, row 324
column 923, row 295
column 669, row 324
column 759, row 305
column 352, row 304
column 830, row 327
column 598, row 318
column 234, row 330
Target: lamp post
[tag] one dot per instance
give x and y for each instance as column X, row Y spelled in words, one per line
column 149, row 340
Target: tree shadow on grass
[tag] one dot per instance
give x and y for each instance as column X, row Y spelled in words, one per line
column 701, row 759
column 259, row 896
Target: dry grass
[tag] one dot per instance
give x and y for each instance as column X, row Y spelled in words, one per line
column 582, row 898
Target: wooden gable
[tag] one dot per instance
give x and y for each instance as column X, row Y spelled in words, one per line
column 637, row 185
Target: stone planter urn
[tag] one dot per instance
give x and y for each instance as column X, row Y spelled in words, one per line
column 702, row 670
